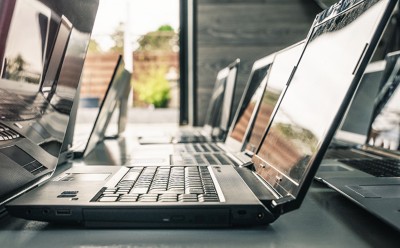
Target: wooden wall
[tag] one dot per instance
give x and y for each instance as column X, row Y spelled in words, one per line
column 245, row 29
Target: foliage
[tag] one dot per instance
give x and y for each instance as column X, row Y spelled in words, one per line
column 118, row 37
column 94, row 47
column 153, row 88
column 164, row 39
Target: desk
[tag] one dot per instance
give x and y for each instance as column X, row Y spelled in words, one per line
column 326, row 219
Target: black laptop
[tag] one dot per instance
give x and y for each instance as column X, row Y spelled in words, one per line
column 39, row 77
column 317, row 96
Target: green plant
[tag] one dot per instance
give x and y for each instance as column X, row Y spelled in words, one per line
column 153, row 88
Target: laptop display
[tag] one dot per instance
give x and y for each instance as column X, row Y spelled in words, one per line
column 249, row 102
column 214, row 107
column 39, row 77
column 385, row 129
column 284, row 63
column 317, row 95
column 355, row 125
column 227, row 111
column 120, row 82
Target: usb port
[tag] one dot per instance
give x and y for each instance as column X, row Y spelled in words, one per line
column 63, row 212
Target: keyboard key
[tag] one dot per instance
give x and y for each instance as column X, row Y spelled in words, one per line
column 139, row 191
column 108, row 199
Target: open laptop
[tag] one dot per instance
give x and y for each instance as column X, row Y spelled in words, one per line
column 243, row 118
column 119, row 84
column 244, row 114
column 352, row 138
column 372, row 179
column 218, row 116
column 318, row 93
column 265, row 99
column 37, row 88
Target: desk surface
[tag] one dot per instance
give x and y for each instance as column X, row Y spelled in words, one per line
column 326, row 219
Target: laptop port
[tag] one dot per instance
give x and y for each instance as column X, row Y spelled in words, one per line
column 63, row 212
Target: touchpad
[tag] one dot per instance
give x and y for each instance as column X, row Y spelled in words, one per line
column 378, row 191
column 85, row 177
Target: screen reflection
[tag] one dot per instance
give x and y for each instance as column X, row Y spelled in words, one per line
column 315, row 94
column 249, row 103
column 385, row 129
column 284, row 63
column 214, row 108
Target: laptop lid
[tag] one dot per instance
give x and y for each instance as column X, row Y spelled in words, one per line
column 279, row 74
column 119, row 84
column 215, row 106
column 317, row 97
column 52, row 56
column 248, row 104
column 384, row 133
column 227, row 111
column 355, row 125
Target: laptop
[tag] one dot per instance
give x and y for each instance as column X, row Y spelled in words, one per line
column 37, row 88
column 239, row 152
column 119, row 84
column 230, row 151
column 218, row 116
column 244, row 114
column 141, row 155
column 219, row 196
column 352, row 138
column 372, row 180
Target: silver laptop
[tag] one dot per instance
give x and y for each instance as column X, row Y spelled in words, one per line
column 239, row 151
column 353, row 139
column 120, row 83
column 214, row 196
column 37, row 88
column 372, row 179
column 169, row 154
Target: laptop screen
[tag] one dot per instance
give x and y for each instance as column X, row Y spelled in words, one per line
column 250, row 99
column 120, row 82
column 214, row 107
column 355, row 125
column 24, row 61
column 326, row 77
column 227, row 111
column 284, row 63
column 385, row 128
column 32, row 123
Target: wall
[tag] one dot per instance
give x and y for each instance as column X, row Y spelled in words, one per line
column 249, row 30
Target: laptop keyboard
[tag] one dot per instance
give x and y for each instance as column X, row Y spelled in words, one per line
column 202, row 159
column 163, row 184
column 7, row 133
column 344, row 154
column 376, row 167
column 202, row 147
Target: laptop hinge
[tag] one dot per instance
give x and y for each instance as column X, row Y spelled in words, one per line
column 282, row 200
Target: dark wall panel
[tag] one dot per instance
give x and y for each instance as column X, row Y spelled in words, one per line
column 249, row 30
